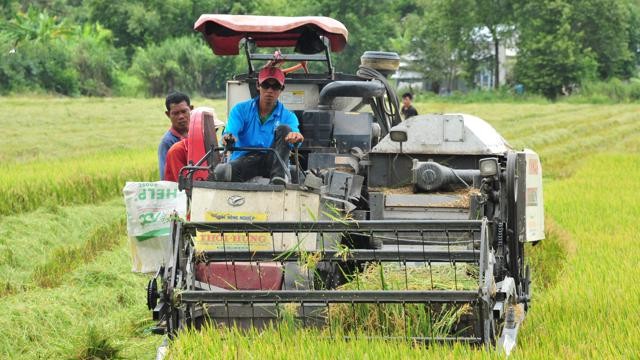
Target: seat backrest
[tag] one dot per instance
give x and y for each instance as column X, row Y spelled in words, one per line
column 202, row 135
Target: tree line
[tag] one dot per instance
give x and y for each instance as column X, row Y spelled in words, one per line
column 148, row 47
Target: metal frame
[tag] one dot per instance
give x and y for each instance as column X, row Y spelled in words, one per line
column 249, row 45
column 189, row 296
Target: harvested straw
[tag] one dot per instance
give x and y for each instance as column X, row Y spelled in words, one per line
column 460, row 198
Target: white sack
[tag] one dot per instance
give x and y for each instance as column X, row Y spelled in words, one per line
column 149, row 208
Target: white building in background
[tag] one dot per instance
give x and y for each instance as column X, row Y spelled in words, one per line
column 484, row 78
column 409, row 80
column 412, row 80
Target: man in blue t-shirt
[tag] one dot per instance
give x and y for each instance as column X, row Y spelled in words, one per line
column 179, row 112
column 260, row 122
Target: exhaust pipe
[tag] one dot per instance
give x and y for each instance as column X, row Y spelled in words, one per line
column 363, row 89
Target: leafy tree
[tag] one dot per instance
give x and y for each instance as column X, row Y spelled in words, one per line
column 477, row 29
column 602, row 26
column 634, row 32
column 467, row 45
column 452, row 38
column 96, row 60
column 497, row 17
column 370, row 25
column 36, row 57
column 35, row 26
column 185, row 64
column 551, row 60
column 76, row 47
column 37, row 67
column 432, row 41
column 8, row 8
column 57, row 56
column 404, row 8
column 138, row 23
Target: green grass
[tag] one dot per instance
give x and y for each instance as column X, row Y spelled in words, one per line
column 550, row 255
column 46, row 128
column 78, row 151
column 303, row 344
column 65, row 259
column 67, row 294
column 94, row 306
column 30, row 241
column 503, row 95
column 597, row 295
column 81, row 180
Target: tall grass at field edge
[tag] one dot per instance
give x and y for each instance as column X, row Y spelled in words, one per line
column 547, row 258
column 591, row 311
column 306, row 343
column 503, row 95
column 607, row 92
column 73, row 181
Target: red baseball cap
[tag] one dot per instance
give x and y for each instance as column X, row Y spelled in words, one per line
column 271, row 72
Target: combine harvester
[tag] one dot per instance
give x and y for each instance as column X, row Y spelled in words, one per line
column 435, row 209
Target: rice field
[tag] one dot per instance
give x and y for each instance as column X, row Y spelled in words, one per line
column 78, row 151
column 66, row 289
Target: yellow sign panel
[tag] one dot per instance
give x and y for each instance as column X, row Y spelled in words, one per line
column 212, row 241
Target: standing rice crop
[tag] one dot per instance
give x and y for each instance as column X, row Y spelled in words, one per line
column 411, row 320
column 83, row 180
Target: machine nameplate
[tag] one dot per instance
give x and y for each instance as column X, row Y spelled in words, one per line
column 292, row 97
column 208, row 241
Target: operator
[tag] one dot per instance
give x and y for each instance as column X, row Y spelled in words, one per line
column 260, row 122
column 407, row 109
column 179, row 112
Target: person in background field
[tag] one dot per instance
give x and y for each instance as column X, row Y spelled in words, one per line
column 178, row 111
column 260, row 122
column 407, row 109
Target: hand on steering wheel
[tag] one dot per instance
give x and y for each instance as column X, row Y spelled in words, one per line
column 294, row 138
column 228, row 139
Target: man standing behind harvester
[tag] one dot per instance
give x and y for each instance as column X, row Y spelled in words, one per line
column 260, row 122
column 179, row 112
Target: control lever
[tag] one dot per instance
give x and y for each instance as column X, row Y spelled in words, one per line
column 229, row 141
